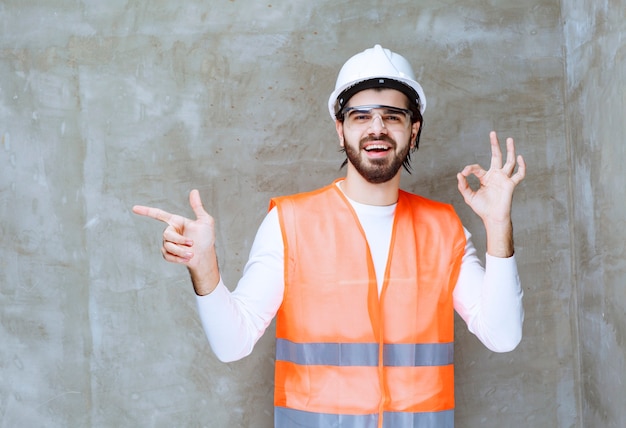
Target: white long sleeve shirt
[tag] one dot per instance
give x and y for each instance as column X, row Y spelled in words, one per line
column 488, row 299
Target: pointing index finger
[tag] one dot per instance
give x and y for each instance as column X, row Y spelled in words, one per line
column 155, row 213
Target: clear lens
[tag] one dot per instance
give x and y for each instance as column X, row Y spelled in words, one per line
column 390, row 117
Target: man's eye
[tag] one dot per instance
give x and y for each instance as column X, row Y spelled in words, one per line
column 361, row 117
column 393, row 118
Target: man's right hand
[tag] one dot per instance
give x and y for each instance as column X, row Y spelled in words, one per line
column 189, row 242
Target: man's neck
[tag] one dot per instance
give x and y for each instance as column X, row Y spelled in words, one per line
column 360, row 190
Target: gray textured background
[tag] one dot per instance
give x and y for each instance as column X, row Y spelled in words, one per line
column 107, row 104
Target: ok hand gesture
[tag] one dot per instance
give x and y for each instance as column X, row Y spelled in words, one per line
column 492, row 201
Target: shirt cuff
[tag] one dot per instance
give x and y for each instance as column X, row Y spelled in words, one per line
column 215, row 297
column 501, row 265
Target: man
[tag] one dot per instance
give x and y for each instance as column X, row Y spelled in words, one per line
column 364, row 277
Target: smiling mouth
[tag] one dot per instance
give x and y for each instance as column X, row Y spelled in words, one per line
column 376, row 148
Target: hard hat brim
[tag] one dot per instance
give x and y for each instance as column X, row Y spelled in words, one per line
column 342, row 98
column 409, row 87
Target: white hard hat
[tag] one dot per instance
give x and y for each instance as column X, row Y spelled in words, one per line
column 374, row 68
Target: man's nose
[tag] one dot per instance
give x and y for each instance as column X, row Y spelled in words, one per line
column 377, row 124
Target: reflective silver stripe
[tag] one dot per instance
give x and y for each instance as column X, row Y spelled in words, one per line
column 417, row 355
column 365, row 354
column 291, row 418
column 443, row 419
column 327, row 354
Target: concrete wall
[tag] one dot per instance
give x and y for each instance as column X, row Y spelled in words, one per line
column 108, row 104
column 596, row 93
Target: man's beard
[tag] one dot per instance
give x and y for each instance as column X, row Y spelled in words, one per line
column 376, row 171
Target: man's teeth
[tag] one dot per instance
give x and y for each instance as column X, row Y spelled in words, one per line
column 376, row 147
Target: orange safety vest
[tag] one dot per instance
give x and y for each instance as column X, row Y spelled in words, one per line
column 346, row 356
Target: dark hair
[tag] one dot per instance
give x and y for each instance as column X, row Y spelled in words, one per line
column 407, row 162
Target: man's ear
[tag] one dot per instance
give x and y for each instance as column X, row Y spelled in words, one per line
column 339, row 128
column 414, row 131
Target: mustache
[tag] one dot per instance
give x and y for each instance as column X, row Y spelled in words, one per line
column 381, row 137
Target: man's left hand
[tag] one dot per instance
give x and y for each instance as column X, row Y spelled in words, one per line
column 492, row 201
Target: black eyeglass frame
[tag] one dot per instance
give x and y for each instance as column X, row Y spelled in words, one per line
column 390, row 109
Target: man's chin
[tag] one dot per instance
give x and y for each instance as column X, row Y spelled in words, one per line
column 379, row 176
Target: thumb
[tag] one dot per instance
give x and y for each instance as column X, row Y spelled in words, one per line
column 464, row 188
column 196, row 204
